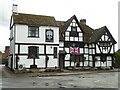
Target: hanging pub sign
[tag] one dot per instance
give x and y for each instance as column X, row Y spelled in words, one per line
column 74, row 49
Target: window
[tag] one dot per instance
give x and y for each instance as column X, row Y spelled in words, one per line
column 33, row 52
column 103, row 58
column 55, row 52
column 74, row 34
column 49, row 35
column 66, row 33
column 33, row 31
column 104, row 43
column 74, row 28
column 76, row 58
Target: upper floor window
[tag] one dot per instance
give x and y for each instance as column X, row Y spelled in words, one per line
column 104, row 43
column 49, row 35
column 33, row 31
column 74, row 28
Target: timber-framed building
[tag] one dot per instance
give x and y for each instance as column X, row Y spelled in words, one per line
column 38, row 41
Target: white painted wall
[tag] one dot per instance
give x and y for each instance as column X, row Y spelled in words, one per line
column 111, row 50
column 9, row 61
column 97, row 64
column 52, row 62
column 67, row 63
column 90, row 64
column 67, row 57
column 67, row 50
column 61, row 44
column 41, row 61
column 81, row 63
column 86, row 56
column 109, row 63
column 67, row 33
column 24, row 61
column 97, row 49
column 81, row 50
column 103, row 64
column 22, row 34
column 22, row 37
column 85, row 63
column 11, row 47
column 72, row 63
column 90, row 58
column 60, row 48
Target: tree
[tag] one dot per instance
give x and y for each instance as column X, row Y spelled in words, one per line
column 0, row 52
column 117, row 60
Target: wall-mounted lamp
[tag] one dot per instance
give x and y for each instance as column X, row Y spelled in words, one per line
column 51, row 46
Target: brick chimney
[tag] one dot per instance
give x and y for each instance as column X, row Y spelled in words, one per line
column 83, row 21
column 14, row 8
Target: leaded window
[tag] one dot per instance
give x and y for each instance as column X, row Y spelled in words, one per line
column 33, row 31
column 33, row 52
column 74, row 28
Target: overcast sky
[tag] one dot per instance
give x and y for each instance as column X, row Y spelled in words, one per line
column 97, row 13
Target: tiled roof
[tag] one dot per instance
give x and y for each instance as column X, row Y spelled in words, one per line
column 64, row 25
column 88, row 32
column 30, row 19
column 99, row 32
column 90, row 35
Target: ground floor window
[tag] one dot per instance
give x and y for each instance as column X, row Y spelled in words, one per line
column 33, row 52
column 76, row 58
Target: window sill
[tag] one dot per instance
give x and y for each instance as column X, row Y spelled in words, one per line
column 32, row 37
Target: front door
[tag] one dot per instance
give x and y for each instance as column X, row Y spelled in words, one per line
column 76, row 58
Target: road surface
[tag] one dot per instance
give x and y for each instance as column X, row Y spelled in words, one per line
column 95, row 80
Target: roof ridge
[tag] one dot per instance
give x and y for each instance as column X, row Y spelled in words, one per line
column 101, row 28
column 32, row 14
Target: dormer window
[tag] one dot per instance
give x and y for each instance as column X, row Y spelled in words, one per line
column 33, row 31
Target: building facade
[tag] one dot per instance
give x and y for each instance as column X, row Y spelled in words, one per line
column 36, row 41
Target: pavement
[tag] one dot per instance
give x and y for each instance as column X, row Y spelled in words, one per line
column 6, row 72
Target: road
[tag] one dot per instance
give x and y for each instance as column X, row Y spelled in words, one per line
column 95, row 80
